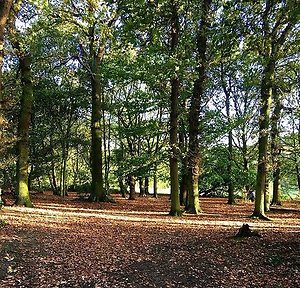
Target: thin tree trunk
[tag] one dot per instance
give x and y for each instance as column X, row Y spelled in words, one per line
column 155, row 195
column 183, row 171
column 298, row 175
column 231, row 199
column 275, row 149
column 175, row 202
column 23, row 131
column 183, row 186
column 53, row 175
column 245, row 166
column 146, row 186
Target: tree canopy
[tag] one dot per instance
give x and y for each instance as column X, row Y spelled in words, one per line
column 201, row 97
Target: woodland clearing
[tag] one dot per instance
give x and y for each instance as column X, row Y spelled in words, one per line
column 64, row 242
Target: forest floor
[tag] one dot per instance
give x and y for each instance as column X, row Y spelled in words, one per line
column 69, row 243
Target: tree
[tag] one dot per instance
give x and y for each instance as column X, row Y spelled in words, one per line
column 175, row 82
column 194, row 157
column 276, row 147
column 24, row 119
column 5, row 7
column 274, row 36
column 23, row 131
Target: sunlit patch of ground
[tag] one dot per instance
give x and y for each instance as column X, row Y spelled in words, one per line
column 68, row 243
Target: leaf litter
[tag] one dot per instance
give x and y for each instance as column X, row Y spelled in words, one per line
column 68, row 243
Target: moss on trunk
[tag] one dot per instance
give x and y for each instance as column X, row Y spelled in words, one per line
column 23, row 131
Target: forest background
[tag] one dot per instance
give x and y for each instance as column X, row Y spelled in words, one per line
column 199, row 96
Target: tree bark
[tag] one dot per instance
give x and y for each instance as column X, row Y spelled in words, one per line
column 276, row 149
column 5, row 6
column 155, row 194
column 227, row 93
column 194, row 156
column 123, row 190
column 142, row 187
column 175, row 202
column 270, row 47
column 147, row 186
column 245, row 165
column 131, row 179
column 266, row 94
column 23, row 131
column 97, row 193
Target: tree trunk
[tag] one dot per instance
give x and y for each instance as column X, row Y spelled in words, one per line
column 155, row 195
column 194, row 157
column 175, row 202
column 266, row 93
column 23, row 131
column 298, row 175
column 183, row 186
column 122, row 186
column 142, row 187
column 147, row 186
column 5, row 6
column 231, row 199
column 64, row 174
column 107, row 150
column 183, row 171
column 97, row 193
column 131, row 179
column 272, row 41
column 276, row 149
column 245, row 166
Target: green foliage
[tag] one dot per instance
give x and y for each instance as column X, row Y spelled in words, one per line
column 135, row 73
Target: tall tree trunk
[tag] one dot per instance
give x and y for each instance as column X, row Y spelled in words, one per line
column 175, row 202
column 106, row 142
column 266, row 94
column 227, row 92
column 276, row 149
column 5, row 6
column 23, row 131
column 194, row 156
column 270, row 48
column 97, row 193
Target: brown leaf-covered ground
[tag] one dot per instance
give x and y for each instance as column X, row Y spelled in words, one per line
column 68, row 243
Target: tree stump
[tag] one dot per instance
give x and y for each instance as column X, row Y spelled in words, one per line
column 245, row 231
